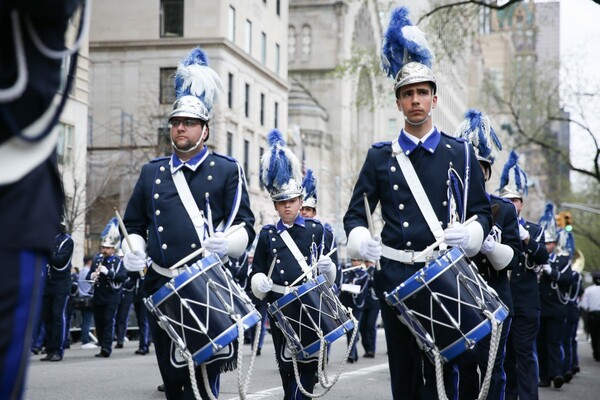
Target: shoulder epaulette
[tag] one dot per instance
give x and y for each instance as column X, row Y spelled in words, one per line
column 456, row 139
column 268, row 226
column 501, row 198
column 157, row 159
column 229, row 158
column 315, row 220
column 381, row 144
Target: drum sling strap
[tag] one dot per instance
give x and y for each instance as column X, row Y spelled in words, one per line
column 289, row 242
column 189, row 203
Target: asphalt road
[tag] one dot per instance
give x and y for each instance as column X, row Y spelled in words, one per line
column 126, row 376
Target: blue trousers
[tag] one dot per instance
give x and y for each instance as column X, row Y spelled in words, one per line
column 54, row 316
column 368, row 328
column 21, row 287
column 521, row 363
column 123, row 315
column 104, row 317
column 550, row 350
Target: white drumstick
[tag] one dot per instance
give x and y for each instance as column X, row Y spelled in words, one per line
column 122, row 225
column 201, row 249
column 311, row 269
column 272, row 266
column 370, row 224
column 432, row 247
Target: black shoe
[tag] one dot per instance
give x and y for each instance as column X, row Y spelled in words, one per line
column 258, row 352
column 568, row 377
column 161, row 388
column 544, row 383
column 558, row 381
column 351, row 360
column 103, row 354
column 141, row 352
column 47, row 358
column 369, row 355
column 119, row 346
column 576, row 369
column 55, row 357
column 36, row 350
column 247, row 341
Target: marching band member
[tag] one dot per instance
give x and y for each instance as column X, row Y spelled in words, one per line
column 169, row 214
column 430, row 156
column 352, row 295
column 521, row 363
column 286, row 250
column 555, row 277
column 499, row 253
column 108, row 274
column 31, row 191
column 56, row 295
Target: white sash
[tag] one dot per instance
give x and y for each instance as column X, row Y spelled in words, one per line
column 189, row 203
column 417, row 191
column 289, row 242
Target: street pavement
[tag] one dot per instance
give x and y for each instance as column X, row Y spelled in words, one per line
column 126, row 376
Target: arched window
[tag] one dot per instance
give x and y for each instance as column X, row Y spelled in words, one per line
column 291, row 43
column 306, row 42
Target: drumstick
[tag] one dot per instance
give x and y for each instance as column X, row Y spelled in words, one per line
column 370, row 224
column 308, row 271
column 211, row 230
column 122, row 225
column 201, row 249
column 430, row 248
column 352, row 268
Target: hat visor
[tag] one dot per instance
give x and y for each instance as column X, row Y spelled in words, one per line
column 183, row 113
column 284, row 196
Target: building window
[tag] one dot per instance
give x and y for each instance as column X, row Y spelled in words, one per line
column 278, row 7
column 167, row 85
column 246, row 158
column 247, row 101
column 230, row 144
column 291, row 43
column 263, row 47
column 276, row 116
column 171, row 18
column 262, row 109
column 306, row 42
column 231, row 26
column 277, row 58
column 64, row 147
column 230, row 91
column 248, row 42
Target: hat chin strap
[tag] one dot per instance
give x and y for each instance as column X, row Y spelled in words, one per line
column 420, row 122
column 194, row 147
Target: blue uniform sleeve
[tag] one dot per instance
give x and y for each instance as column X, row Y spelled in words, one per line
column 536, row 247
column 135, row 217
column 60, row 257
column 366, row 184
column 510, row 233
column 244, row 212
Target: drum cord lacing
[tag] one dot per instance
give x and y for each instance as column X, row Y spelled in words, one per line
column 494, row 344
column 321, row 370
column 243, row 385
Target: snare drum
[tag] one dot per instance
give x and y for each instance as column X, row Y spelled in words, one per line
column 199, row 307
column 306, row 312
column 443, row 304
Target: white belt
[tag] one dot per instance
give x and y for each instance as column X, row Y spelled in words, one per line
column 406, row 256
column 169, row 273
column 282, row 289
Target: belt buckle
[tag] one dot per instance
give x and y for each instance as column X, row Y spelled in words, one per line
column 411, row 253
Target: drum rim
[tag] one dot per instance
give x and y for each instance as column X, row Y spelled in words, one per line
column 411, row 285
column 225, row 338
column 183, row 279
column 296, row 293
column 329, row 338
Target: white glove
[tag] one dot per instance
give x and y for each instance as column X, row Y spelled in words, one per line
column 370, row 249
column 263, row 283
column 489, row 244
column 457, row 235
column 94, row 275
column 546, row 269
column 217, row 244
column 523, row 233
column 324, row 265
column 134, row 261
column 103, row 270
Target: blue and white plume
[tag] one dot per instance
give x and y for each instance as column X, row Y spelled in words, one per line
column 309, row 188
column 513, row 181
column 477, row 130
column 403, row 43
column 111, row 235
column 548, row 222
column 280, row 169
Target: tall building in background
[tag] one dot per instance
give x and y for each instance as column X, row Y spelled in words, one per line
column 134, row 49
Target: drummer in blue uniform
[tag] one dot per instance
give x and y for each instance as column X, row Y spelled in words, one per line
column 177, row 204
column 285, row 251
column 500, row 253
column 108, row 275
column 521, row 362
column 433, row 156
column 554, row 279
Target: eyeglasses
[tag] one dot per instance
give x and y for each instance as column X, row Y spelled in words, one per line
column 188, row 123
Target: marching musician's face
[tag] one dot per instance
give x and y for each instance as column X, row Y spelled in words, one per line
column 550, row 246
column 356, row 262
column 107, row 251
column 288, row 209
column 308, row 212
column 518, row 205
column 185, row 132
column 416, row 100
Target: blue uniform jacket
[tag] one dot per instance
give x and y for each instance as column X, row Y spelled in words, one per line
column 156, row 212
column 405, row 227
column 506, row 225
column 523, row 280
column 58, row 278
column 108, row 287
column 554, row 286
column 308, row 234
